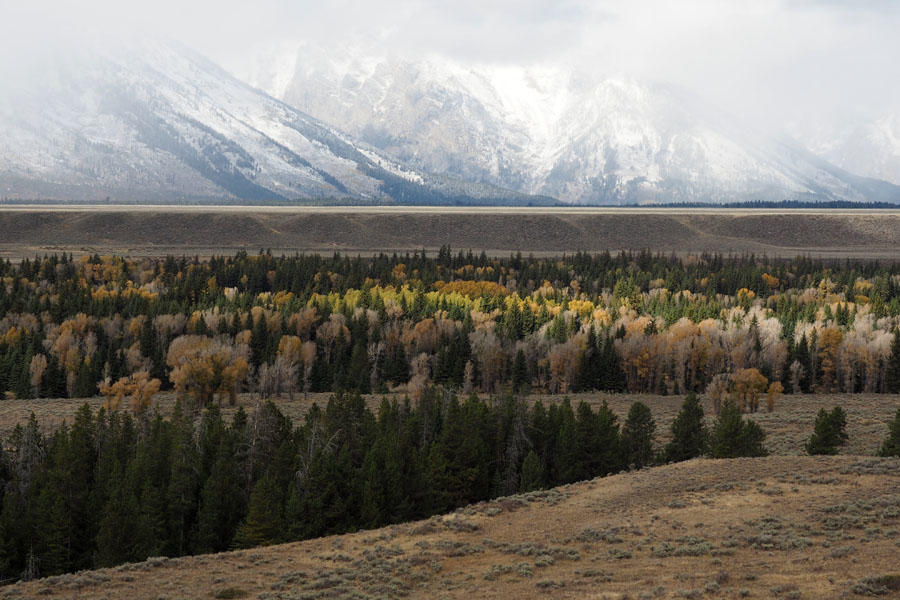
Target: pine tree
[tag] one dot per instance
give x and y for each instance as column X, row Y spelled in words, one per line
column 183, row 486
column 54, row 531
column 264, row 523
column 567, row 465
column 222, row 502
column 689, row 435
column 830, row 432
column 733, row 436
column 532, row 477
column 608, row 451
column 892, row 375
column 520, row 372
column 119, row 537
column 358, row 369
column 85, row 385
column 891, row 445
column 637, row 436
column 612, row 376
column 802, row 355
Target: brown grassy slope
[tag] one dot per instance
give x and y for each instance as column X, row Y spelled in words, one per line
column 787, row 428
column 779, row 527
column 155, row 231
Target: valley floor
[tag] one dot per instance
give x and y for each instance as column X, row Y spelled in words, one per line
column 216, row 230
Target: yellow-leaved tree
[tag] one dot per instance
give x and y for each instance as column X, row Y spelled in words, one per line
column 139, row 387
column 204, row 366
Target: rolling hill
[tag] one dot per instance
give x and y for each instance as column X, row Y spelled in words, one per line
column 777, row 527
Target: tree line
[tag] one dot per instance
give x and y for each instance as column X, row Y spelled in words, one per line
column 111, row 488
column 744, row 328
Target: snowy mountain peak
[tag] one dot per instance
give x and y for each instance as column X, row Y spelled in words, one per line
column 152, row 120
column 552, row 130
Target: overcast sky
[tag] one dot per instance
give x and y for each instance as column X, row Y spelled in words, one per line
column 767, row 58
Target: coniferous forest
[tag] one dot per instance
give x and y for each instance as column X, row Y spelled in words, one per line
column 124, row 483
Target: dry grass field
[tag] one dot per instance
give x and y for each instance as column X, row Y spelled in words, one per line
column 788, row 427
column 778, row 527
column 203, row 231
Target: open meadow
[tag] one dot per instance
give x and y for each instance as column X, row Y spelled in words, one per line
column 216, row 230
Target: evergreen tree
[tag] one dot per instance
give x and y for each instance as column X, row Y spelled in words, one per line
column 608, row 450
column 119, row 538
column 689, row 435
column 182, row 492
column 54, row 381
column 222, row 501
column 53, row 527
column 891, row 445
column 85, row 385
column 567, row 465
column 520, row 378
column 532, row 473
column 733, row 436
column 264, row 523
column 830, row 432
column 637, row 436
column 802, row 355
column 358, row 369
column 892, row 374
column 612, row 376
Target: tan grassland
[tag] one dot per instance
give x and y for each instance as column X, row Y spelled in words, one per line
column 204, row 231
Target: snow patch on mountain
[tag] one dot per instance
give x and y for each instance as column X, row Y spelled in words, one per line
column 553, row 130
column 152, row 120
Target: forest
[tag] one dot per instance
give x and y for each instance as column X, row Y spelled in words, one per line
column 458, row 340
column 731, row 327
column 112, row 488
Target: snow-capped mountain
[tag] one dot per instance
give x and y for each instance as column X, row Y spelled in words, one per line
column 552, row 130
column 869, row 147
column 150, row 120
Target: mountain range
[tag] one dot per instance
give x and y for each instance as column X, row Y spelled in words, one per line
column 153, row 121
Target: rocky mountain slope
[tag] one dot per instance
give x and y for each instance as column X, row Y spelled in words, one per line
column 150, row 120
column 553, row 130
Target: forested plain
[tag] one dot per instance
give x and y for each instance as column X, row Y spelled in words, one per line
column 463, row 337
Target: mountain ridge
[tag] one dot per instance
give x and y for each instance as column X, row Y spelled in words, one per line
column 155, row 120
column 546, row 129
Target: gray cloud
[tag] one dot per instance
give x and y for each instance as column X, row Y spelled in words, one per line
column 768, row 59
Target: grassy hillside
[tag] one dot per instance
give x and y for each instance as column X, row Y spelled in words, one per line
column 777, row 527
column 157, row 231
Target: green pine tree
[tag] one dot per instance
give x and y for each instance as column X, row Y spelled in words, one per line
column 891, row 445
column 829, row 433
column 532, row 477
column 689, row 435
column 892, row 375
column 85, row 386
column 264, row 522
column 733, row 436
column 637, row 436
column 222, row 502
column 520, row 377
